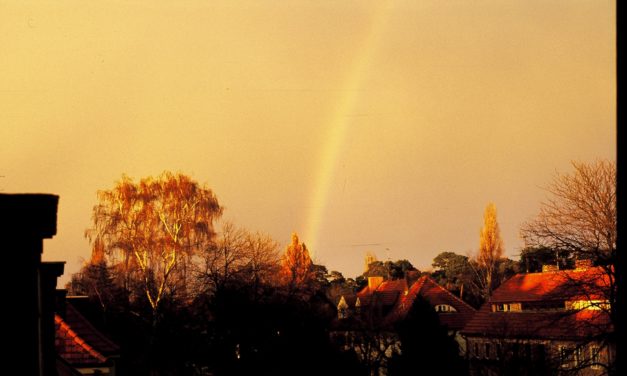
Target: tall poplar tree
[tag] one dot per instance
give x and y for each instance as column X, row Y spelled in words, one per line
column 490, row 251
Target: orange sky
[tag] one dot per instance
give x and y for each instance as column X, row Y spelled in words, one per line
column 382, row 126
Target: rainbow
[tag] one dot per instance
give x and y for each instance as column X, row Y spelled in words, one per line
column 339, row 125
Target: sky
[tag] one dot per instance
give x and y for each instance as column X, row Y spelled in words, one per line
column 363, row 126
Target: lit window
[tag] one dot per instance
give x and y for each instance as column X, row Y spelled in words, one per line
column 595, row 357
column 502, row 307
column 444, row 308
column 566, row 356
column 507, row 307
column 579, row 305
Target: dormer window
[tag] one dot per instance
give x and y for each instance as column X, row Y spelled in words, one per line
column 506, row 307
column 445, row 308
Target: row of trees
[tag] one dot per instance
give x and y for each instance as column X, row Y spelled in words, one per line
column 183, row 297
column 158, row 262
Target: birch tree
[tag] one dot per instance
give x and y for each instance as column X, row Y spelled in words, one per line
column 150, row 230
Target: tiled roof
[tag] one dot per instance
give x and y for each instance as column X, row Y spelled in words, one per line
column 72, row 348
column 88, row 332
column 557, row 286
column 397, row 294
column 435, row 295
column 560, row 285
column 386, row 293
column 535, row 324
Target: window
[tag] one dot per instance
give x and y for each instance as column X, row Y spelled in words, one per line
column 476, row 350
column 577, row 356
column 579, row 305
column 444, row 308
column 567, row 356
column 595, row 357
column 342, row 313
column 515, row 307
column 487, row 351
column 507, row 307
column 498, row 351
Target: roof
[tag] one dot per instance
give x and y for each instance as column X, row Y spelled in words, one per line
column 85, row 330
column 72, row 348
column 557, row 285
column 385, row 294
column 435, row 295
column 563, row 325
column 396, row 295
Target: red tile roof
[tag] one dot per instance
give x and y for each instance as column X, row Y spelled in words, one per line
column 72, row 348
column 386, row 293
column 558, row 286
column 88, row 332
column 540, row 325
column 435, row 295
column 400, row 297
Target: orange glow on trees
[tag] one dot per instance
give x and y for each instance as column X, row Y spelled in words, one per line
column 296, row 264
column 490, row 250
column 150, row 230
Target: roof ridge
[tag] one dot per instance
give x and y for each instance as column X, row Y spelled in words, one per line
column 78, row 340
column 96, row 331
column 450, row 293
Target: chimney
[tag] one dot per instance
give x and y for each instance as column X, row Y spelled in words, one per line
column 374, row 282
column 583, row 264
column 549, row 268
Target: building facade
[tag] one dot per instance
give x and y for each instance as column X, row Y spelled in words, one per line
column 553, row 322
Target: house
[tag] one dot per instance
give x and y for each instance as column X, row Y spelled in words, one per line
column 366, row 321
column 544, row 323
column 80, row 345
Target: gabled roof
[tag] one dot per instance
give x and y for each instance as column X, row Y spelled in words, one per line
column 400, row 297
column 72, row 348
column 557, row 285
column 85, row 330
column 435, row 295
column 386, row 293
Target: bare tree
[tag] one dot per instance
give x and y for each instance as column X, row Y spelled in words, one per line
column 580, row 213
column 238, row 255
column 262, row 259
column 151, row 229
column 580, row 216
